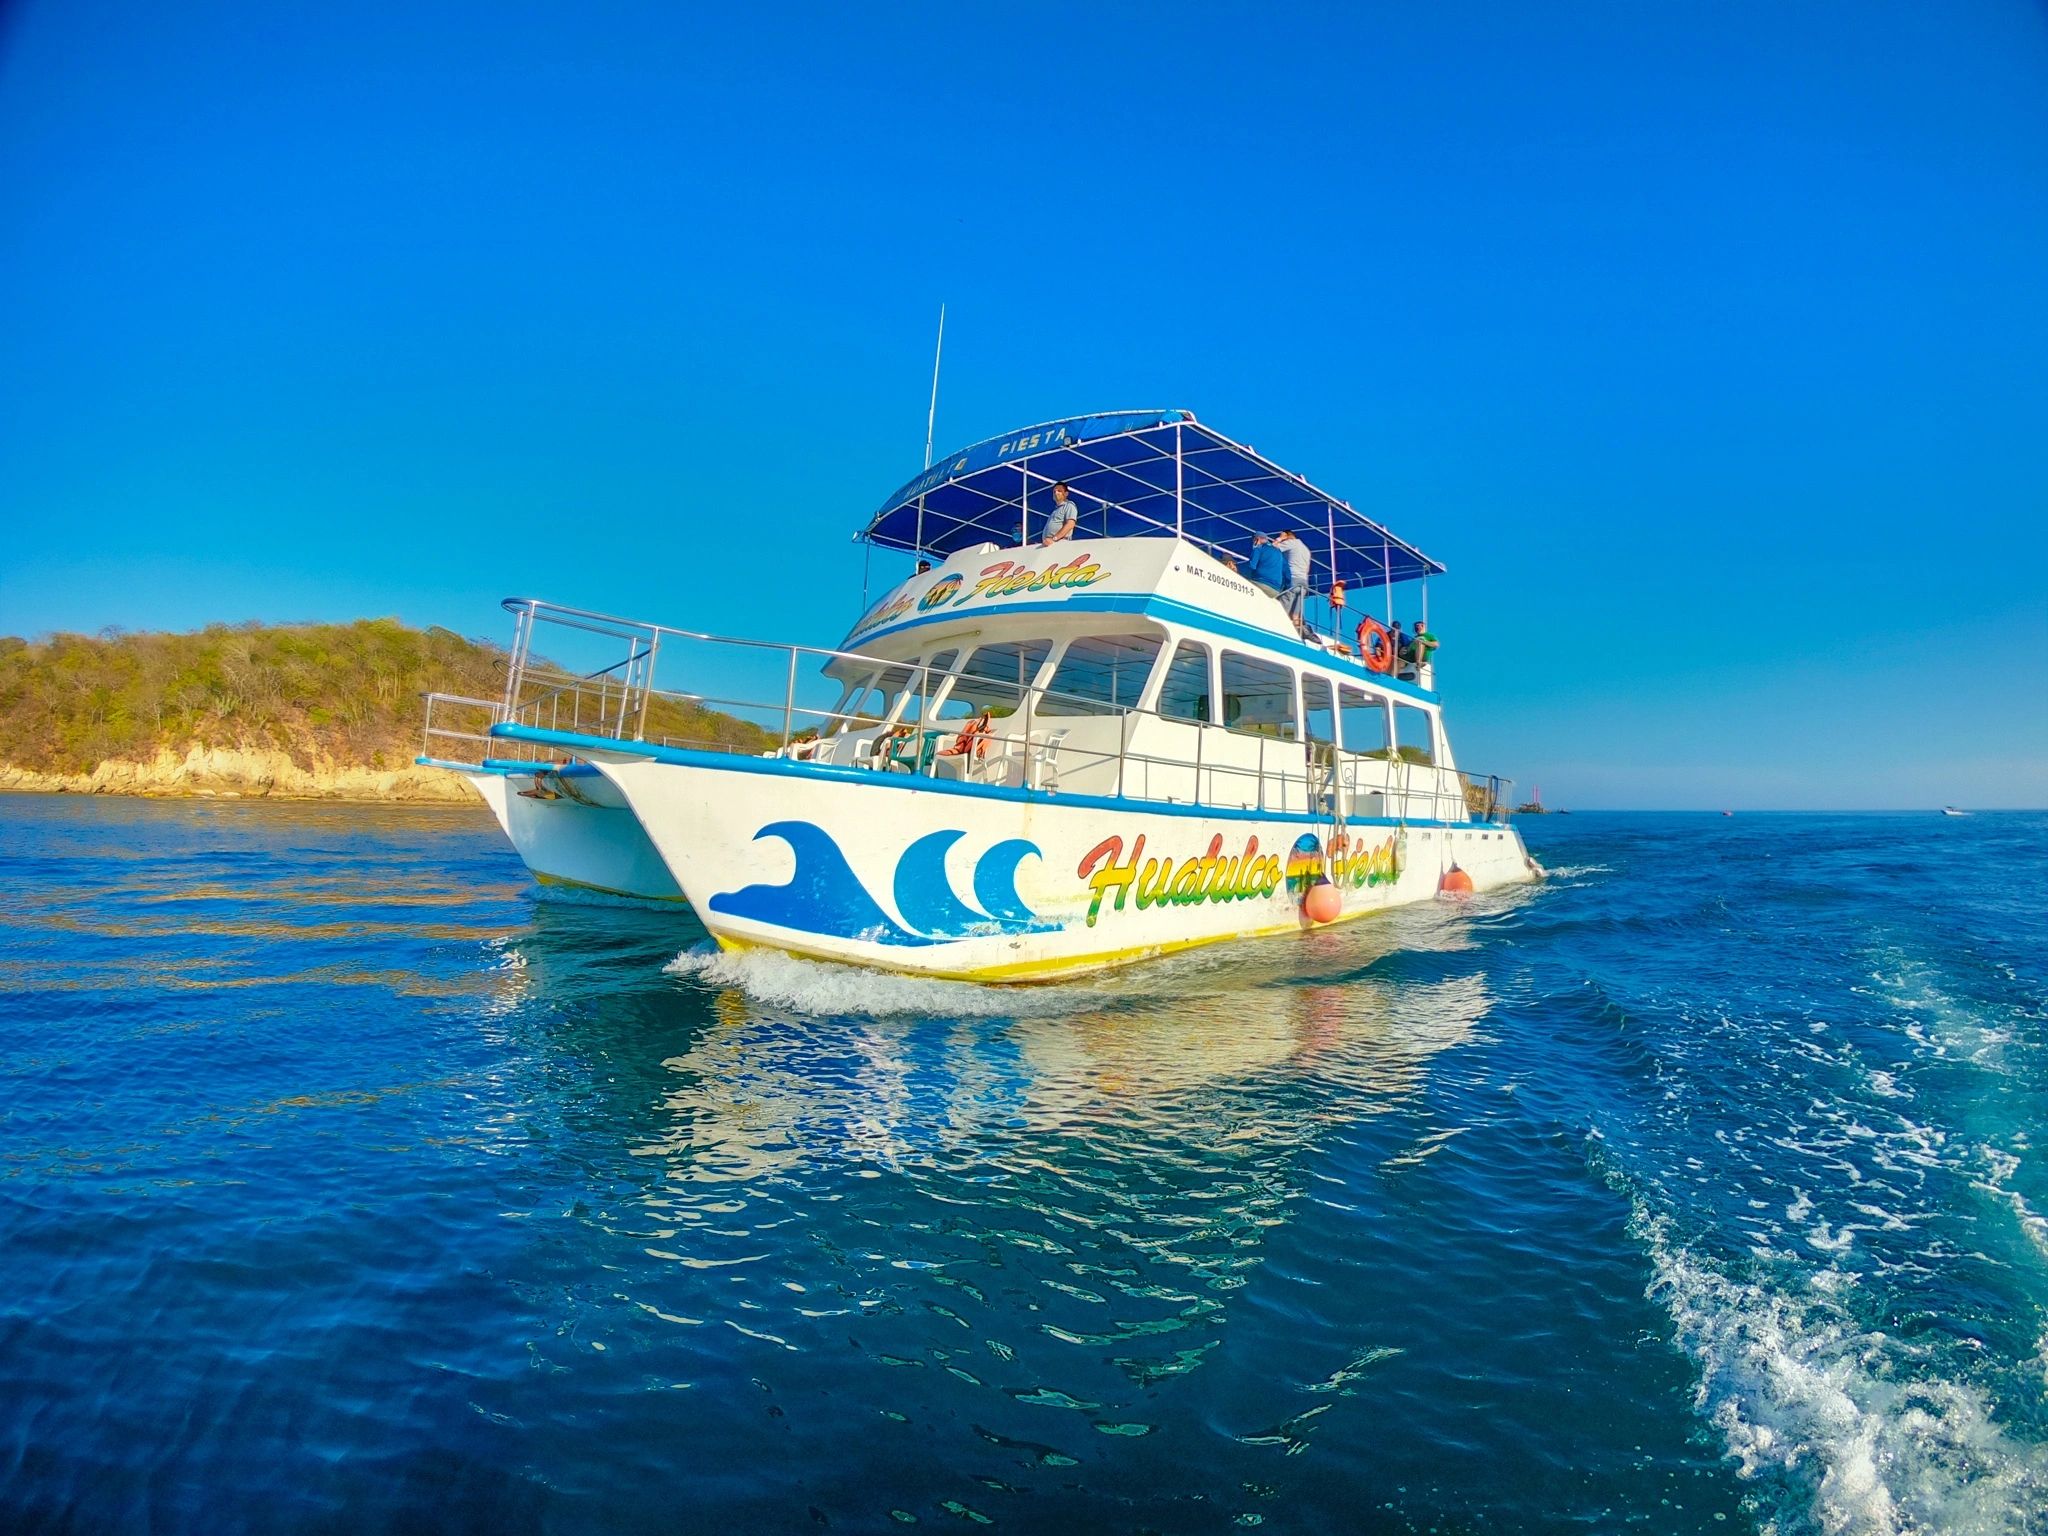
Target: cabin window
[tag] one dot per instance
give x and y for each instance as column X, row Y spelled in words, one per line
column 1184, row 692
column 1258, row 696
column 1414, row 735
column 1318, row 711
column 1100, row 674
column 996, row 677
column 871, row 697
column 1364, row 721
column 926, row 682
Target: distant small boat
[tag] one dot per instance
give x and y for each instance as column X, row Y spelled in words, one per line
column 1727, row 813
column 1949, row 810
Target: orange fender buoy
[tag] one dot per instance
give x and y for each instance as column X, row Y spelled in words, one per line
column 1454, row 883
column 1322, row 903
column 1375, row 645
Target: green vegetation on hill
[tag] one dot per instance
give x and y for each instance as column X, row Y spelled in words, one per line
column 346, row 692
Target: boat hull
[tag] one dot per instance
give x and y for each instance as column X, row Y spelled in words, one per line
column 584, row 838
column 912, row 876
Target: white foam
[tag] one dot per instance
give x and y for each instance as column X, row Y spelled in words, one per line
column 1800, row 1392
column 819, row 987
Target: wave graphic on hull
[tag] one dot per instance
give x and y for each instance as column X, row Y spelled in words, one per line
column 825, row 897
column 995, row 887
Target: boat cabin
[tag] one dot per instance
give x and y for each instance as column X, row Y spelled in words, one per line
column 1133, row 658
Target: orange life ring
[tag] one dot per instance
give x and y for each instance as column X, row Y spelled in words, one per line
column 1375, row 645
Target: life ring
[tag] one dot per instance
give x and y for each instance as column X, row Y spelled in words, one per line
column 1375, row 645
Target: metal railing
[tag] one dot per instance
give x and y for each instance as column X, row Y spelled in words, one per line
column 1041, row 739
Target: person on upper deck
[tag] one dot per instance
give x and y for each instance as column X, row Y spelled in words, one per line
column 1267, row 567
column 1059, row 522
column 1298, row 561
column 1423, row 645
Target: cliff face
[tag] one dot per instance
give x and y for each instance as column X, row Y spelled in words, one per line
column 239, row 773
column 291, row 711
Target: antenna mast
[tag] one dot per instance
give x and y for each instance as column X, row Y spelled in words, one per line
column 932, row 415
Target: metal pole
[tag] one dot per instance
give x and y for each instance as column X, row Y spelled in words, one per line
column 932, row 415
column 1024, row 507
column 1179, row 482
column 1330, row 511
column 647, row 692
column 789, row 703
column 1387, row 572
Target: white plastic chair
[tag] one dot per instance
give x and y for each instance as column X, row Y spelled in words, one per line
column 1042, row 763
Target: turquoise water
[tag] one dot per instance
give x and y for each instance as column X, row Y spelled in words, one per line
column 348, row 1185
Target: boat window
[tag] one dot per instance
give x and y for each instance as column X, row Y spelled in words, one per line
column 1184, row 693
column 1364, row 721
column 1100, row 674
column 931, row 677
column 888, row 688
column 1318, row 713
column 840, row 716
column 1413, row 736
column 866, row 702
column 1258, row 696
column 995, row 677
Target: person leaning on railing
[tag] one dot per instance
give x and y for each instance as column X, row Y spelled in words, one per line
column 1059, row 522
column 1298, row 561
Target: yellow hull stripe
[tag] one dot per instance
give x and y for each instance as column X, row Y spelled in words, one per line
column 1051, row 968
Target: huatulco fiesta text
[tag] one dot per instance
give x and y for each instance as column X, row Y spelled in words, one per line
column 1005, row 578
column 1211, row 877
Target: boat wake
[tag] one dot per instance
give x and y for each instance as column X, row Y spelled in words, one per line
column 822, row 988
column 1808, row 1402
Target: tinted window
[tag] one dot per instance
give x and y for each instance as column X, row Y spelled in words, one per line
column 1258, row 696
column 1318, row 713
column 1412, row 734
column 1364, row 721
column 1184, row 695
column 1099, row 673
column 927, row 682
column 996, row 676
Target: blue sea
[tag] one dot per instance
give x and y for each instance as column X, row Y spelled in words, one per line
column 350, row 1184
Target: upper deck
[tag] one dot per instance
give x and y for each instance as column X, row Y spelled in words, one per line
column 1137, row 473
column 1160, row 577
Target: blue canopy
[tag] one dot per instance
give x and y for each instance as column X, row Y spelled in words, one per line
column 1136, row 472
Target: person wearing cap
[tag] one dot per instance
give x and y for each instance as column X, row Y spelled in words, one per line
column 1298, row 561
column 1059, row 522
column 1267, row 567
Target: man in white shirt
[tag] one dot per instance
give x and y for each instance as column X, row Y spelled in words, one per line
column 1297, row 574
column 1059, row 522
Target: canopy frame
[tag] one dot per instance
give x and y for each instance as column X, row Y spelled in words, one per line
column 1143, row 473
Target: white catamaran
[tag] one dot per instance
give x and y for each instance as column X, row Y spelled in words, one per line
column 1042, row 758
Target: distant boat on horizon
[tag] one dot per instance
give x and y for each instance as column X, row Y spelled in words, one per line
column 1949, row 810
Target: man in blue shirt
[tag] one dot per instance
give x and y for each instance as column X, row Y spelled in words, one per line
column 1267, row 567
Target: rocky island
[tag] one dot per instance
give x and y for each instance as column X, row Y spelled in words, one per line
column 288, row 711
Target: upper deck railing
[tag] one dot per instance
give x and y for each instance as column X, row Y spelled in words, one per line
column 754, row 701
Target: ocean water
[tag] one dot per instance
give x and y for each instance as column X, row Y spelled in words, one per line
column 349, row 1184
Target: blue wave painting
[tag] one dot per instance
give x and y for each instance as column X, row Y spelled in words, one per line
column 824, row 896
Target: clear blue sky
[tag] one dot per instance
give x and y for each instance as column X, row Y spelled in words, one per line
column 1712, row 336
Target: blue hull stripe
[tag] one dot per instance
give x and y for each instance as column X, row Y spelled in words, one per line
column 732, row 762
